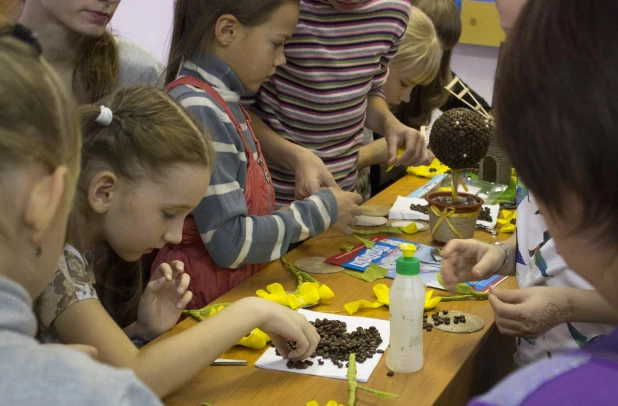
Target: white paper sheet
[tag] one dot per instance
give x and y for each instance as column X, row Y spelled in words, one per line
column 270, row 360
column 401, row 211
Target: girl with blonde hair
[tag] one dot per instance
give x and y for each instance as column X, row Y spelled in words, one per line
column 416, row 63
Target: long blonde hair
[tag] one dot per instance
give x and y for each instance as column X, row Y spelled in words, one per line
column 149, row 132
column 447, row 22
column 420, row 50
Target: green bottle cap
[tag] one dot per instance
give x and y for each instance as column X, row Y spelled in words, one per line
column 408, row 264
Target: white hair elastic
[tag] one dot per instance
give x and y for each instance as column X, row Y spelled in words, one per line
column 106, row 116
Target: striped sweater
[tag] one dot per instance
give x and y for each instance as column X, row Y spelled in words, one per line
column 318, row 100
column 231, row 236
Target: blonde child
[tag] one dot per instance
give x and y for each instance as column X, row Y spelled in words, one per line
column 315, row 108
column 39, row 167
column 88, row 58
column 221, row 51
column 416, row 64
column 424, row 100
column 145, row 166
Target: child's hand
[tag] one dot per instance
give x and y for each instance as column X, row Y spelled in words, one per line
column 163, row 301
column 348, row 208
column 469, row 260
column 529, row 312
column 282, row 325
column 311, row 174
column 399, row 135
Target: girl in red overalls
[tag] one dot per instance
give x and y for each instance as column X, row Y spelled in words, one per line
column 221, row 51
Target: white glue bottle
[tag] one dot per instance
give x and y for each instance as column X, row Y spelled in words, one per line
column 407, row 301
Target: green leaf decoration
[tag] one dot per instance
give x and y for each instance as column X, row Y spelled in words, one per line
column 346, row 247
column 372, row 273
column 464, row 292
column 464, row 289
column 384, row 230
column 301, row 276
column 368, row 243
column 204, row 312
column 353, row 385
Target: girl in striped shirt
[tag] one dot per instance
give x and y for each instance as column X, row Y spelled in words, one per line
column 221, row 51
column 315, row 107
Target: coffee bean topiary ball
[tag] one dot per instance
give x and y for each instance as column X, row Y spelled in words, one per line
column 460, row 138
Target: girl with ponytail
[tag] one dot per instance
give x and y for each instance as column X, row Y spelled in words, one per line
column 145, row 165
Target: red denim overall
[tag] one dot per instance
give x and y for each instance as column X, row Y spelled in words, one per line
column 208, row 280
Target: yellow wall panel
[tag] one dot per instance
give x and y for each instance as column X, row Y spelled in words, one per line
column 481, row 24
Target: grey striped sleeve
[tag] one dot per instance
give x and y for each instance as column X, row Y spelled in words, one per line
column 232, row 237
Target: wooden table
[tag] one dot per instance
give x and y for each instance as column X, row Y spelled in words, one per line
column 457, row 366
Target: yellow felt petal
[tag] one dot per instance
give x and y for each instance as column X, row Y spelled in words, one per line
column 411, row 228
column 400, row 152
column 276, row 289
column 325, row 292
column 381, row 291
column 353, row 307
column 430, row 302
column 254, row 340
column 273, row 298
column 436, row 167
column 509, row 228
column 509, row 214
column 292, row 301
column 308, row 292
column 212, row 311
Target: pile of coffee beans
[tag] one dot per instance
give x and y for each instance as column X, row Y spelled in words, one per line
column 336, row 344
column 485, row 214
column 420, row 208
column 438, row 319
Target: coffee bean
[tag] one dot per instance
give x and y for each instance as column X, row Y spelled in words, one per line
column 445, row 312
column 390, row 373
column 419, row 208
column 309, row 362
column 429, row 327
column 340, row 365
column 278, row 353
column 336, row 343
column 380, row 351
column 456, row 321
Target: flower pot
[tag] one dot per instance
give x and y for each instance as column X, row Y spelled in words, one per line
column 448, row 221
